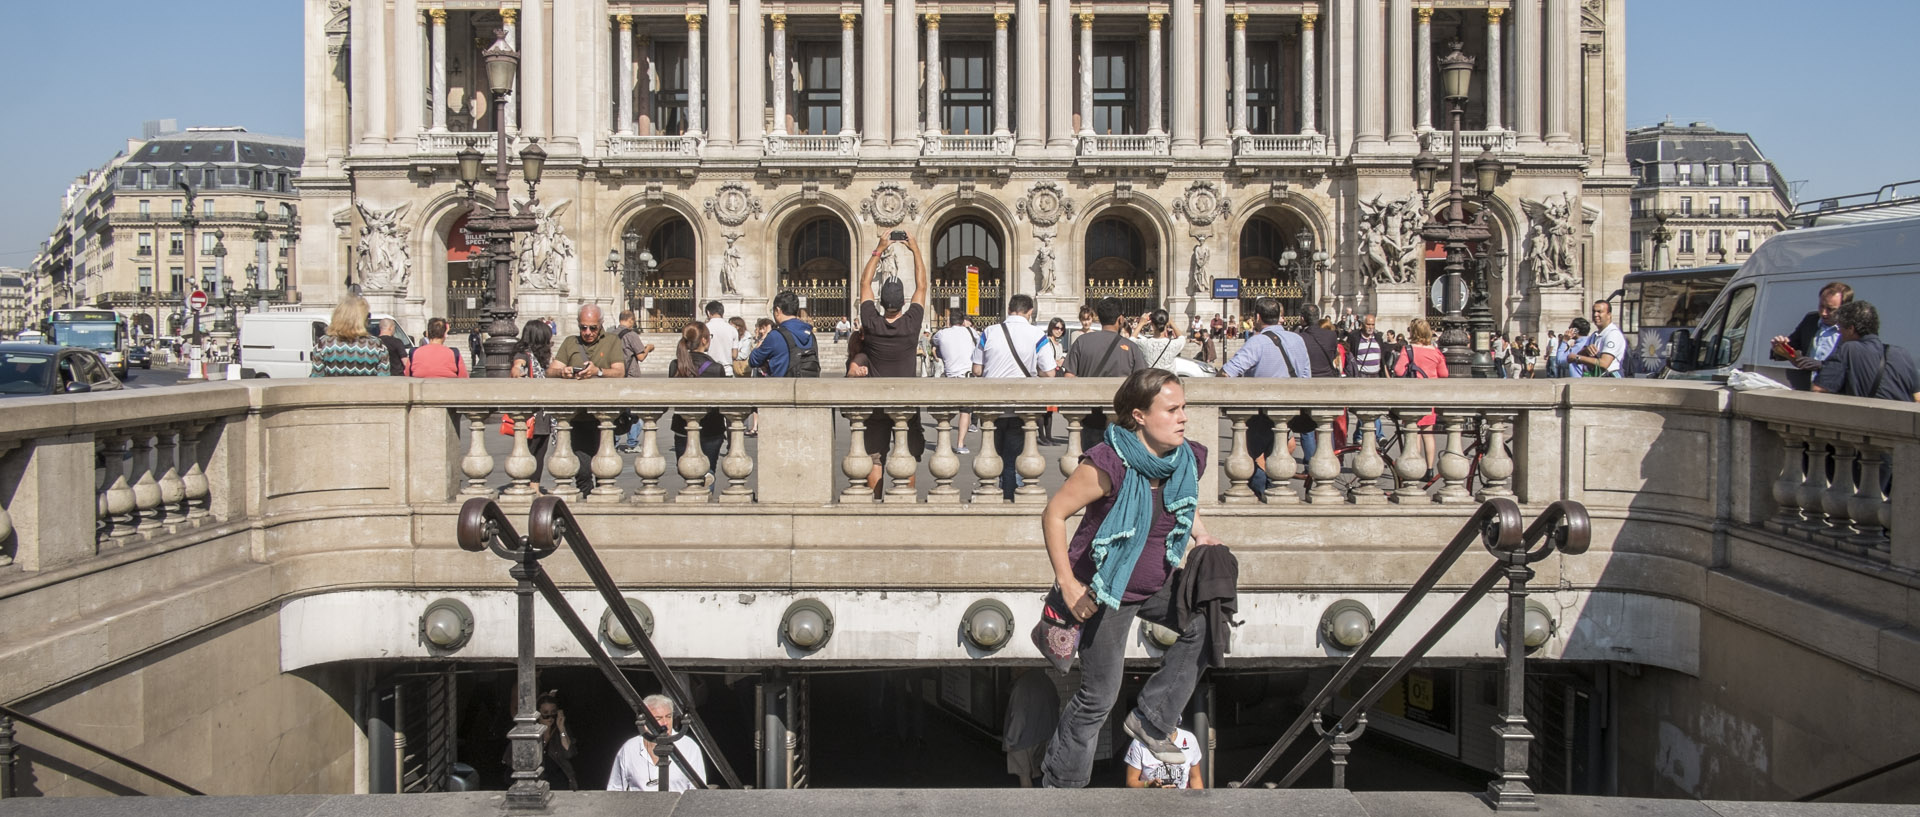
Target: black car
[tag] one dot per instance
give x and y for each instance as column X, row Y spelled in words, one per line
column 40, row 369
column 140, row 356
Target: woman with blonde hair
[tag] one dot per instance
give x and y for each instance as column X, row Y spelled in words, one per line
column 691, row 360
column 347, row 349
column 1423, row 359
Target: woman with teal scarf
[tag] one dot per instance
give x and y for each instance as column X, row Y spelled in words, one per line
column 1140, row 491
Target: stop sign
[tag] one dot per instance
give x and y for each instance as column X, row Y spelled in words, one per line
column 198, row 300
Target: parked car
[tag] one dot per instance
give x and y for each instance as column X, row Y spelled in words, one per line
column 41, row 369
column 141, row 356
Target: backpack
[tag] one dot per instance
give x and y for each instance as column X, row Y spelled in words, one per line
column 802, row 361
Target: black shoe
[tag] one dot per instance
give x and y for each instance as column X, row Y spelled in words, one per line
column 1163, row 748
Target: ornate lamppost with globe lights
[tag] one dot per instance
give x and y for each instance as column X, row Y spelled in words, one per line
column 496, row 219
column 1468, row 322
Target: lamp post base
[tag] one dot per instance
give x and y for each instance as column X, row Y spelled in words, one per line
column 497, row 349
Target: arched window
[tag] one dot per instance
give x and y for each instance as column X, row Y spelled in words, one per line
column 1115, row 238
column 967, row 238
column 1262, row 239
column 821, row 239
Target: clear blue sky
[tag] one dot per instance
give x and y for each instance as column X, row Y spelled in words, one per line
column 1821, row 88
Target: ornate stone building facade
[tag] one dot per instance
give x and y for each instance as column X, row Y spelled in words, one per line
column 1701, row 196
column 1065, row 149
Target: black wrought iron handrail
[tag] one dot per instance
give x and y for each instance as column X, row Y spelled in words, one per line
column 484, row 526
column 1859, row 778
column 1497, row 525
column 6, row 761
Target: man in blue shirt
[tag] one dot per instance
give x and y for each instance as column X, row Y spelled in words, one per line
column 772, row 353
column 1271, row 351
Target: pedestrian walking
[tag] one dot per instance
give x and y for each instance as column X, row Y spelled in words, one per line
column 531, row 356
column 1018, row 349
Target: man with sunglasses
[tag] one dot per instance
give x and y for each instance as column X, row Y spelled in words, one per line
column 592, row 354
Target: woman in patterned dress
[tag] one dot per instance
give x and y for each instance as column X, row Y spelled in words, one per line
column 347, row 349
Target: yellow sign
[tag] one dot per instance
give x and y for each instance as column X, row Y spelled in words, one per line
column 973, row 290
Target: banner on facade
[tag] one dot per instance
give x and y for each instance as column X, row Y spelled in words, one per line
column 973, row 290
column 461, row 242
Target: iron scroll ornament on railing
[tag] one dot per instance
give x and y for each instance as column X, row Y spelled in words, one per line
column 484, row 526
column 1564, row 527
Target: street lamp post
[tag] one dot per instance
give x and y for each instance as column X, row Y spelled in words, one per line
column 635, row 268
column 1467, row 328
column 192, row 250
column 496, row 220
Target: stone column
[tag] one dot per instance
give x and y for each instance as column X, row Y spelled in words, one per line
column 1423, row 77
column 780, row 73
column 1033, row 131
column 1494, row 69
column 1186, row 76
column 906, row 70
column 847, row 77
column 1213, row 73
column 1309, row 79
column 623, row 101
column 570, row 75
column 1371, row 97
column 1559, row 59
column 1000, row 83
column 873, row 61
column 1526, row 70
column 533, row 73
column 1059, row 73
column 1086, row 73
column 719, row 65
column 1399, row 78
column 933, row 75
column 753, row 75
column 1156, row 83
column 373, row 60
column 696, row 121
column 439, row 48
column 1239, row 73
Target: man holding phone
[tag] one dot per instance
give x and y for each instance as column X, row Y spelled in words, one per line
column 1814, row 339
column 592, row 354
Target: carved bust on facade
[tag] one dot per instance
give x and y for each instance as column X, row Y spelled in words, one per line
column 1201, row 204
column 733, row 204
column 889, row 205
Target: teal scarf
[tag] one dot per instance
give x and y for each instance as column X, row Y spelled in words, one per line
column 1123, row 534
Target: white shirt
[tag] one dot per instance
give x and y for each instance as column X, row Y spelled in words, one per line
column 724, row 339
column 997, row 359
column 956, row 345
column 1609, row 341
column 1174, row 776
column 633, row 771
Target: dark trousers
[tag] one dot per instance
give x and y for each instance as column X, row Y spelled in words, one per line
column 1260, row 443
column 1009, row 439
column 1103, row 649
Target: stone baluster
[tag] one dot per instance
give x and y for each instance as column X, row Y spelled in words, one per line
column 6, row 519
column 146, row 490
column 1030, row 465
column 1411, row 468
column 1839, row 494
column 944, row 464
column 194, row 482
column 858, row 463
column 736, row 465
column 1453, row 460
column 901, row 465
column 1865, row 505
column 1324, row 467
column 986, row 463
column 649, row 465
column 1239, row 464
column 1793, row 472
column 1070, row 459
column 1367, row 462
column 694, row 465
column 173, row 491
column 477, row 465
column 119, row 501
column 1496, row 465
column 606, row 463
column 562, row 463
column 1813, row 491
column 520, row 461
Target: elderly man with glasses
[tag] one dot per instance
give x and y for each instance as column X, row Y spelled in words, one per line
column 594, row 353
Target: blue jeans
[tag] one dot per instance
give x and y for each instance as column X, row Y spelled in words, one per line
column 1009, row 439
column 1103, row 648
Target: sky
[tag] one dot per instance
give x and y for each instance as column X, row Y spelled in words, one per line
column 1822, row 89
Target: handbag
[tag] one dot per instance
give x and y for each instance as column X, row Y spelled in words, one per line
column 1057, row 634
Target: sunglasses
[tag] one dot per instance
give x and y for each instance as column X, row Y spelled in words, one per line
column 589, row 326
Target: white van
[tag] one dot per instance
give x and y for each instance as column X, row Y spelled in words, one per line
column 1780, row 284
column 280, row 344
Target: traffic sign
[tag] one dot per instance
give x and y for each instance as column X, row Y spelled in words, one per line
column 197, row 301
column 1226, row 288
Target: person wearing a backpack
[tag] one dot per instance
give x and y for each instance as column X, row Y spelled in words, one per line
column 1271, row 351
column 1104, row 352
column 790, row 350
column 1424, row 359
column 1863, row 365
column 1015, row 348
column 435, row 358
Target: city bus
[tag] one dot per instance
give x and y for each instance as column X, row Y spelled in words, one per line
column 1655, row 303
column 102, row 330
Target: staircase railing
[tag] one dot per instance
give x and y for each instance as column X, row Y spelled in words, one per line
column 484, row 526
column 9, row 746
column 1564, row 527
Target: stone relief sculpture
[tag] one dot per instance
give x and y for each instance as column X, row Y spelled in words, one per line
column 1551, row 241
column 384, row 261
column 733, row 204
column 1200, row 283
column 1201, row 204
column 547, row 251
column 1045, row 205
column 1390, row 243
column 889, row 205
column 1043, row 263
column 730, row 264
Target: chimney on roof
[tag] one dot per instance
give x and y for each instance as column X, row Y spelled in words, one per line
column 158, row 127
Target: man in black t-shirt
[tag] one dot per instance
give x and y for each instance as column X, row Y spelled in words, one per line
column 890, row 337
column 1104, row 352
column 1863, row 365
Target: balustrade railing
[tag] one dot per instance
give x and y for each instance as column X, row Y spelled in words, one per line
column 809, row 144
column 152, row 482
column 632, row 145
column 1117, row 145
column 1440, row 141
column 1280, row 145
column 965, row 145
column 449, row 143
